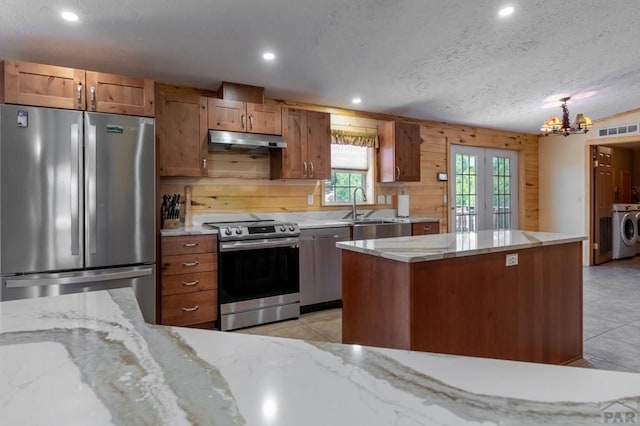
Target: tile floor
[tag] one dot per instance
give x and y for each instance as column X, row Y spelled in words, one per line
column 611, row 319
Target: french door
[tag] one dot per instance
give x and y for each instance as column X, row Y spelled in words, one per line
column 483, row 193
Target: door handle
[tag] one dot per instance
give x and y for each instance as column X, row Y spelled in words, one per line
column 92, row 196
column 75, row 189
column 81, row 279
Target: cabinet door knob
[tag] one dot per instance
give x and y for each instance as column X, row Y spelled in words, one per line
column 397, row 173
column 190, row 244
column 304, row 167
column 190, row 283
column 250, row 122
column 195, row 308
column 204, row 164
column 312, row 169
column 190, row 264
column 243, row 122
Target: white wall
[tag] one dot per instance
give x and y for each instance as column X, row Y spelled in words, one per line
column 563, row 174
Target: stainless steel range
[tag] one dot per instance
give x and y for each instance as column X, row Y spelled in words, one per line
column 258, row 272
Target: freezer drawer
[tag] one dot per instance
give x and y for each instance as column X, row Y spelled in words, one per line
column 141, row 278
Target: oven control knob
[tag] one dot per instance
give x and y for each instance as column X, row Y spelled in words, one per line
column 292, row 228
column 238, row 231
column 227, row 231
column 283, row 228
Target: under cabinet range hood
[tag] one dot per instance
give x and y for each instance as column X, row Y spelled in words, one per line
column 220, row 140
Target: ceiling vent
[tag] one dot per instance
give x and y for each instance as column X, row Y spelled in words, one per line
column 627, row 129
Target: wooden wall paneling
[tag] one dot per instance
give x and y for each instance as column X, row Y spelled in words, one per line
column 243, row 165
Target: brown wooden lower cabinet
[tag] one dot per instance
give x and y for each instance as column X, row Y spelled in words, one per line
column 189, row 308
column 472, row 305
column 189, row 280
column 425, row 228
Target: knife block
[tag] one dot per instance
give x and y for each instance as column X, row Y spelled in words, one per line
column 170, row 223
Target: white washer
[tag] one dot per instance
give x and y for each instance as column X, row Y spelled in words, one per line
column 625, row 230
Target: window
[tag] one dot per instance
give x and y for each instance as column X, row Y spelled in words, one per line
column 350, row 169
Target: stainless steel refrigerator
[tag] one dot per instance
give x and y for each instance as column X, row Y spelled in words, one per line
column 77, row 203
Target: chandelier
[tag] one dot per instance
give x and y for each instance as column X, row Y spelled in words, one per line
column 563, row 127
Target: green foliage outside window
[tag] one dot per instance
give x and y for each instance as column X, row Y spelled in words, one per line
column 339, row 189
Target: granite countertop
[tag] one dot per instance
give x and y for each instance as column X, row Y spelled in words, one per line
column 442, row 246
column 90, row 358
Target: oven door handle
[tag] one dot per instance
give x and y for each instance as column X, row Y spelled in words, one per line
column 259, row 244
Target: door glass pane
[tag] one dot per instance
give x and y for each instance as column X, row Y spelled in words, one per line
column 501, row 192
column 466, row 193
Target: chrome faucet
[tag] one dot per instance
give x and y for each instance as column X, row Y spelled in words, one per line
column 354, row 213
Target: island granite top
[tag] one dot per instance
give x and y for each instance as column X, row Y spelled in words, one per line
column 443, row 246
column 90, row 358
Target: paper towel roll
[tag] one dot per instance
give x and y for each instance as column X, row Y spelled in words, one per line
column 403, row 205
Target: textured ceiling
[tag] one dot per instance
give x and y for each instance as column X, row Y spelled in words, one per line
column 453, row 60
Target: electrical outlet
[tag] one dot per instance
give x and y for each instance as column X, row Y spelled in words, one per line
column 444, row 198
column 512, row 259
column 380, row 199
column 310, row 199
column 389, row 201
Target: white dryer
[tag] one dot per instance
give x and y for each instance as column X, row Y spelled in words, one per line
column 625, row 230
column 638, row 228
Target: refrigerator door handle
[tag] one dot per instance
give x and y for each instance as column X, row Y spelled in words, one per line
column 75, row 189
column 82, row 279
column 92, row 209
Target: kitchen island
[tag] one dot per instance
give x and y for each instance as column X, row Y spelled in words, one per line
column 90, row 358
column 505, row 294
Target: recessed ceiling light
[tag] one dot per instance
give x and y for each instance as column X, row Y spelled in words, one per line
column 69, row 16
column 356, row 101
column 268, row 56
column 506, row 11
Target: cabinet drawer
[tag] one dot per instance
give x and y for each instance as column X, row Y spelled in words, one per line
column 188, row 263
column 189, row 308
column 189, row 244
column 425, row 228
column 189, row 283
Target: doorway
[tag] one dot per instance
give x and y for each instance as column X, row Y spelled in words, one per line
column 484, row 190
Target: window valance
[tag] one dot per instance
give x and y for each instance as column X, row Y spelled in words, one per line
column 349, row 137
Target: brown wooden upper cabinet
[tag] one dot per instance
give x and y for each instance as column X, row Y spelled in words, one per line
column 27, row 83
column 181, row 132
column 399, row 153
column 238, row 116
column 308, row 151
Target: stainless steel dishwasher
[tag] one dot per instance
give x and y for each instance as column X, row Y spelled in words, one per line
column 372, row 229
column 321, row 267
